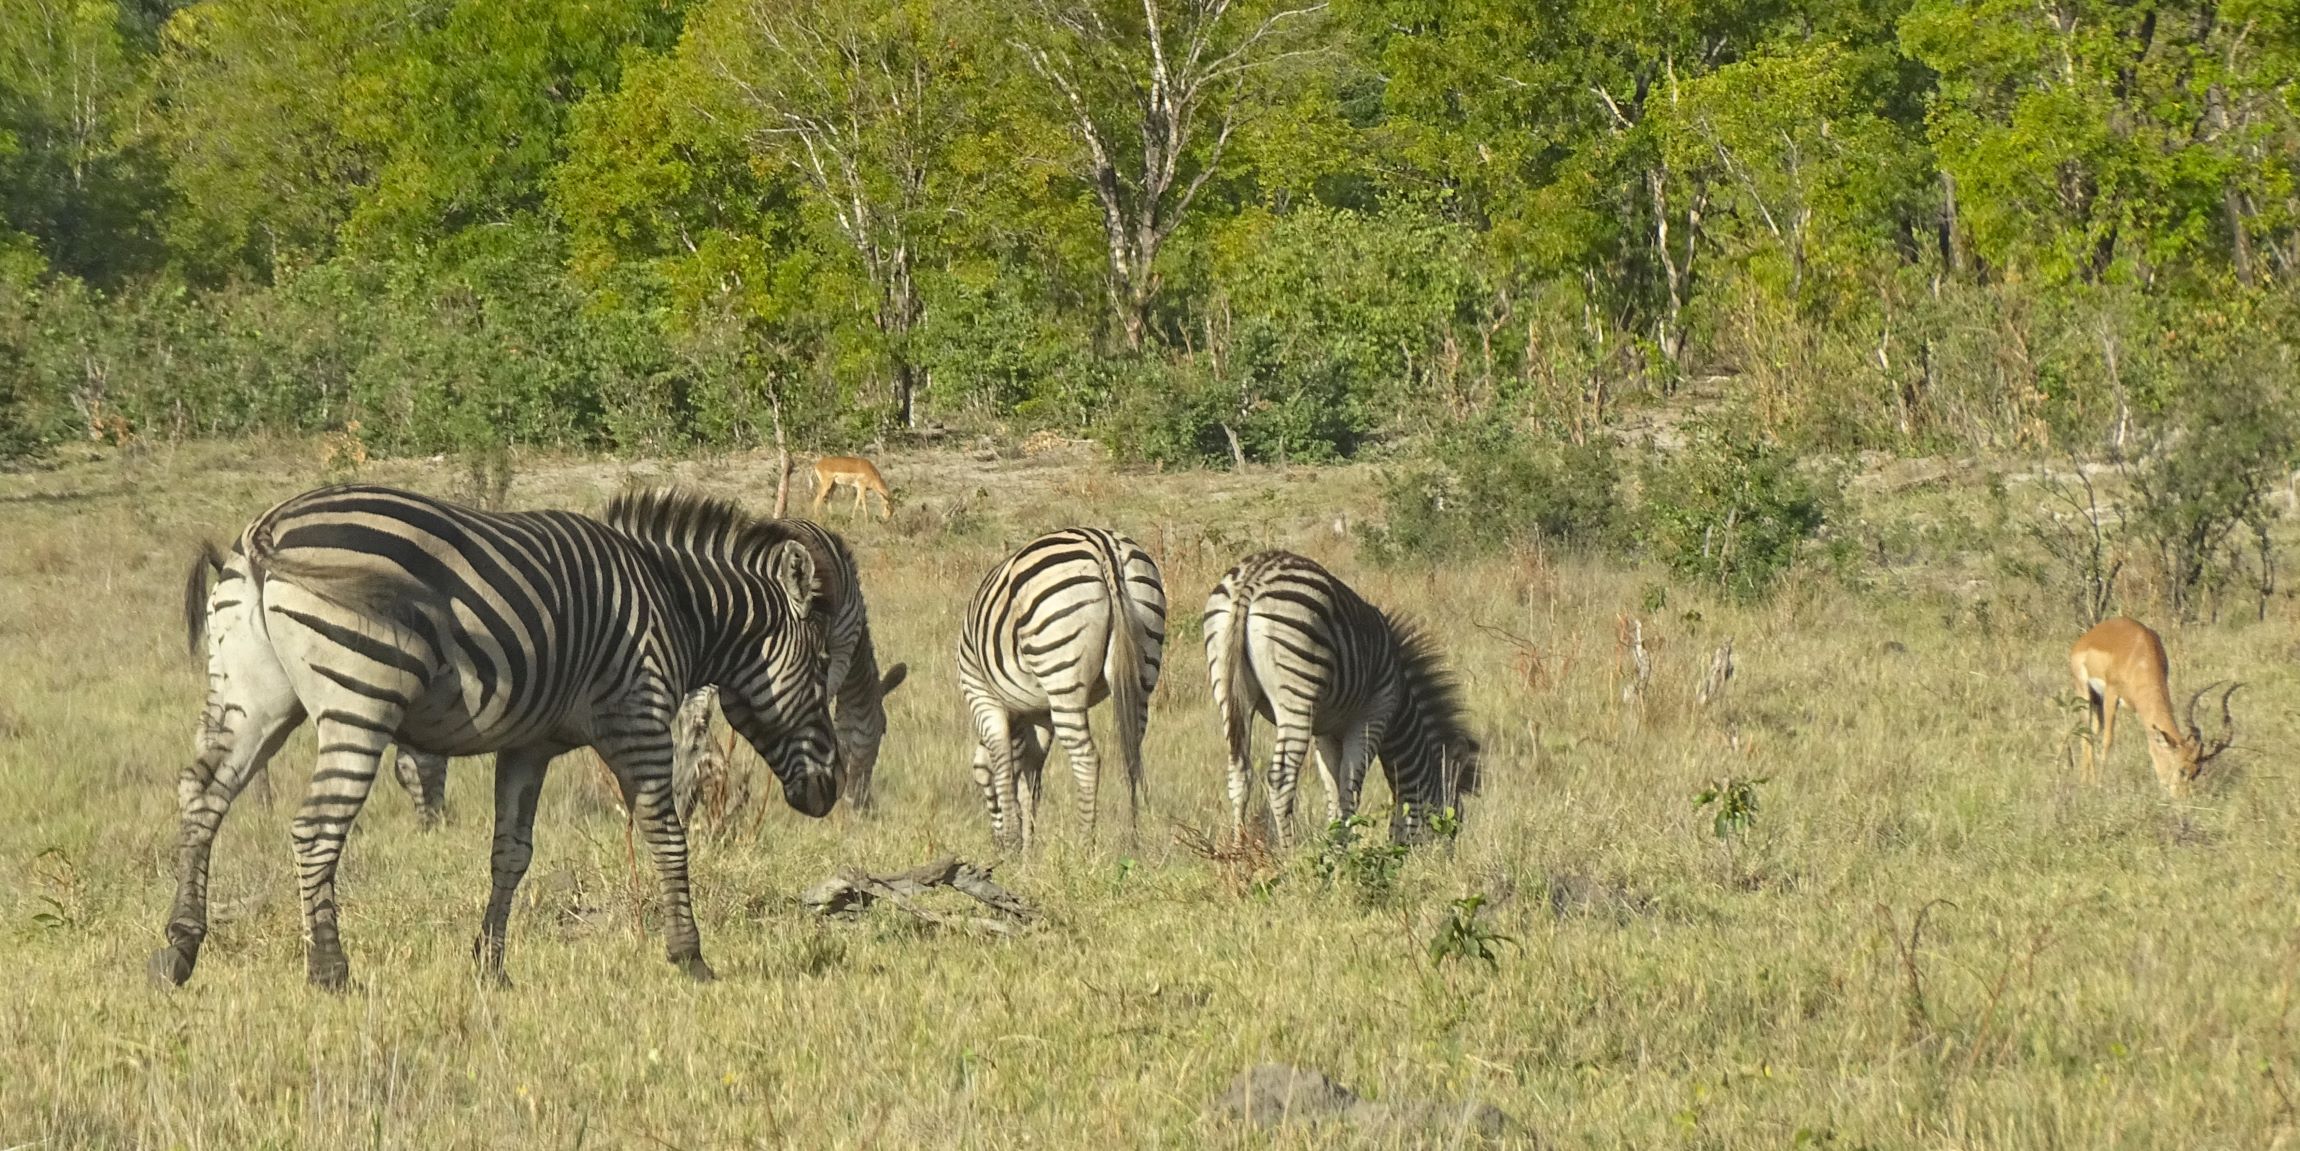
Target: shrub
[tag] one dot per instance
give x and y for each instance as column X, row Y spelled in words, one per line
column 1733, row 511
column 2200, row 494
column 1486, row 490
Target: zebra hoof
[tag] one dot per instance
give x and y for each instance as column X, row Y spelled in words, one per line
column 696, row 969
column 332, row 974
column 170, row 967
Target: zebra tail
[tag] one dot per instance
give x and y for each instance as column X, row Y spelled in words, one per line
column 1127, row 697
column 207, row 563
column 1238, row 720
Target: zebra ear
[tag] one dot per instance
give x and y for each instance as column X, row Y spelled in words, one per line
column 793, row 567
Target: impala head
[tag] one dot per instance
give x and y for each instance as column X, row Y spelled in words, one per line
column 2193, row 753
column 780, row 701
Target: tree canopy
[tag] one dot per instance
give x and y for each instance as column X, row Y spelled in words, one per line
column 1205, row 229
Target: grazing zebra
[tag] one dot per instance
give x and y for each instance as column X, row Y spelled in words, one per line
column 388, row 616
column 1040, row 647
column 1287, row 640
column 859, row 689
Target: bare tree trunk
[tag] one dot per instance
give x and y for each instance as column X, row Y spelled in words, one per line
column 2234, row 201
column 782, row 454
column 1185, row 74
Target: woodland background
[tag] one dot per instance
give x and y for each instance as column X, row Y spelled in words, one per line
column 1203, row 231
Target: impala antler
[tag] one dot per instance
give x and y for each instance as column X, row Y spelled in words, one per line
column 2227, row 722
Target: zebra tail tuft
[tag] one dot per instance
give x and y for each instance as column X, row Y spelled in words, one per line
column 1127, row 696
column 207, row 563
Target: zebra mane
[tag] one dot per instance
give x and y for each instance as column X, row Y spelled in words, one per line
column 691, row 521
column 696, row 522
column 1422, row 667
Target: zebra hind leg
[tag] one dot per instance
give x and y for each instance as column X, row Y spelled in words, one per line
column 642, row 765
column 235, row 744
column 424, row 777
column 350, row 753
column 1029, row 758
column 1293, row 742
column 994, row 770
column 1070, row 727
column 518, row 781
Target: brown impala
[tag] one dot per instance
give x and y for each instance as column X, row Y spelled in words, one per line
column 2122, row 660
column 855, row 472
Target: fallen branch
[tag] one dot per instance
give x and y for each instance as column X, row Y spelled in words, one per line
column 854, row 889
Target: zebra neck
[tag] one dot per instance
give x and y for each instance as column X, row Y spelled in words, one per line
column 712, row 609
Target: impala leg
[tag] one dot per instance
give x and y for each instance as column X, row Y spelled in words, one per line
column 641, row 760
column 2108, row 705
column 518, row 781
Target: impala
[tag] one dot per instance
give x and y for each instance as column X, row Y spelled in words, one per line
column 855, row 472
column 2121, row 660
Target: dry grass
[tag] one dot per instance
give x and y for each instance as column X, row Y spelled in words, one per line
column 2096, row 966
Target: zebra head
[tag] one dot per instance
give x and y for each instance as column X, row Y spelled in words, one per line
column 779, row 699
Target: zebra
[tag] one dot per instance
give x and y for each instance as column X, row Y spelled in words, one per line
column 859, row 689
column 1287, row 639
column 388, row 616
column 1039, row 648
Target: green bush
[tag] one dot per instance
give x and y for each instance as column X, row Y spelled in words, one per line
column 1733, row 511
column 2200, row 507
column 1488, row 489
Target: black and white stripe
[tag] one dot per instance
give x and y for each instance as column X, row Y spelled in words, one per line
column 1041, row 645
column 386, row 616
column 856, row 685
column 1287, row 640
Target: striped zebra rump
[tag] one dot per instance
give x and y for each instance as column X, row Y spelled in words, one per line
column 386, row 617
column 1073, row 617
column 1289, row 641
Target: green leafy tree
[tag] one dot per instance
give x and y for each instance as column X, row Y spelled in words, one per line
column 862, row 102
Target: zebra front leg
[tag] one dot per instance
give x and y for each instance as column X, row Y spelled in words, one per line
column 424, row 777
column 1292, row 744
column 1345, row 759
column 233, row 746
column 350, row 753
column 518, row 781
column 1329, row 770
column 641, row 762
column 1070, row 727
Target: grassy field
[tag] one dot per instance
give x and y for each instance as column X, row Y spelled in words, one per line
column 2097, row 966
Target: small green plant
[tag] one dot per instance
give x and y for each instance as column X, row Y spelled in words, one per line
column 1464, row 936
column 1365, row 862
column 1735, row 800
column 1445, row 825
